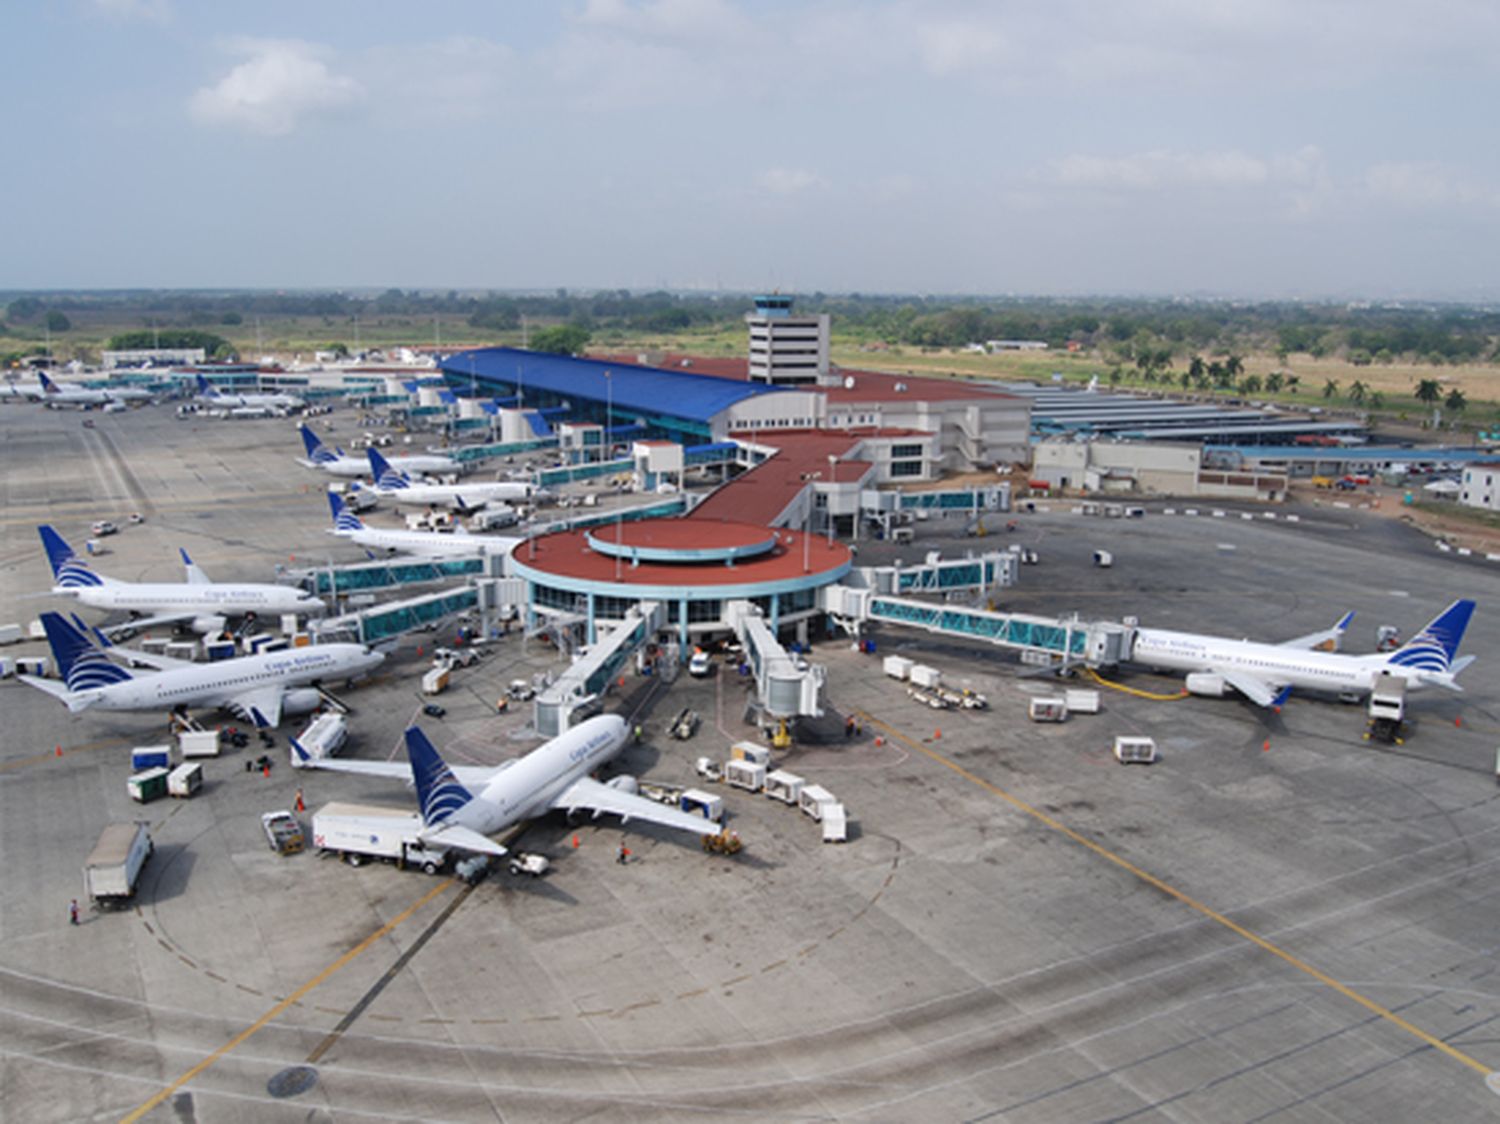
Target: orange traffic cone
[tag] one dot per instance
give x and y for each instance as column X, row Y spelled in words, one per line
column 575, row 842
column 1265, row 746
column 59, row 751
column 937, row 735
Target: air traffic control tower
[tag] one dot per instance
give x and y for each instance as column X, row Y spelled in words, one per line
column 787, row 350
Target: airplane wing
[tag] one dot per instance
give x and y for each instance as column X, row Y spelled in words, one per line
column 261, row 706
column 462, row 838
column 475, row 775
column 139, row 623
column 133, row 657
column 590, row 795
column 1328, row 640
column 1258, row 691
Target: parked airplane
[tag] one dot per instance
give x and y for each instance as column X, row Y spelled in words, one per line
column 31, row 391
column 1266, row 674
column 398, row 485
column 259, row 689
column 432, row 544
column 205, row 603
column 229, row 399
column 339, row 463
column 71, row 394
column 462, row 805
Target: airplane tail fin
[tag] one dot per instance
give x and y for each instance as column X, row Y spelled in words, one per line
column 195, row 576
column 439, row 793
column 69, row 571
column 343, row 519
column 317, row 452
column 206, row 388
column 81, row 663
column 386, row 476
column 48, row 385
column 1435, row 647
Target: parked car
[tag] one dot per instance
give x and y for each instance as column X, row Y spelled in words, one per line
column 433, row 710
column 701, row 664
column 103, row 527
column 283, row 832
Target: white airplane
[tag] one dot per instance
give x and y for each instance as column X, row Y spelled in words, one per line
column 431, row 544
column 1266, row 674
column 31, row 391
column 259, row 689
column 462, row 806
column 398, row 485
column 205, row 603
column 230, row 399
column 338, row 463
column 71, row 394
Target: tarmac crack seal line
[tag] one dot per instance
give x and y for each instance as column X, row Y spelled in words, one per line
column 1492, row 1078
column 246, row 1034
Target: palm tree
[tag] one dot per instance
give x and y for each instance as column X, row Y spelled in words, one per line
column 1293, row 383
column 1429, row 392
column 1250, row 384
column 1185, row 379
column 1274, row 382
column 1234, row 366
column 1456, row 401
column 1330, row 388
column 1195, row 368
column 1358, row 391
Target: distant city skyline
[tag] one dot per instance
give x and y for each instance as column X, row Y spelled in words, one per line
column 1152, row 148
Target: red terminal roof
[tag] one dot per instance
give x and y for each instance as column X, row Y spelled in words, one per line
column 568, row 554
column 761, row 494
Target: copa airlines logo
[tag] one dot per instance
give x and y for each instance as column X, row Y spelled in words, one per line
column 393, row 480
column 74, row 574
column 321, row 455
column 348, row 521
column 1423, row 652
column 438, row 790
column 87, row 668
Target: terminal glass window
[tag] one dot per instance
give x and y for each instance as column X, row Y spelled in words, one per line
column 906, row 468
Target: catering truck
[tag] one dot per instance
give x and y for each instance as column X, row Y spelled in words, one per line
column 356, row 832
column 113, row 868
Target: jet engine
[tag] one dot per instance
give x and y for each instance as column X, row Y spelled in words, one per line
column 207, row 625
column 301, row 701
column 1206, row 683
column 625, row 783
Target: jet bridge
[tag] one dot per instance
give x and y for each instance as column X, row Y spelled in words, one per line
column 370, row 577
column 981, row 573
column 587, row 677
column 1040, row 640
column 784, row 689
column 384, row 622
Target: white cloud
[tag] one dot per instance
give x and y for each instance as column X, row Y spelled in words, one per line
column 279, row 83
column 789, row 181
column 147, row 11
column 1161, row 168
column 1423, row 185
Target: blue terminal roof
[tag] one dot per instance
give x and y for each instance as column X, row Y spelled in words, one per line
column 653, row 390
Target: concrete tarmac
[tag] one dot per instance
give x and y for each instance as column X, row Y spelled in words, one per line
column 1276, row 921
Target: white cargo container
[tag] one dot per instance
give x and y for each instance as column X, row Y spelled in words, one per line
column 435, row 682
column 40, row 666
column 1132, row 749
column 324, row 736
column 784, row 786
column 748, row 775
column 835, row 824
column 897, row 667
column 750, row 751
column 183, row 650
column 814, row 799
column 1081, row 702
column 198, row 743
column 36, row 630
column 1103, row 559
column 11, row 634
column 1048, row 708
column 924, row 676
column 112, row 868
column 708, row 805
column 185, row 780
column 356, row 832
column 7, row 667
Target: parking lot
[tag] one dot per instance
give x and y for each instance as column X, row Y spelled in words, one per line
column 1276, row 920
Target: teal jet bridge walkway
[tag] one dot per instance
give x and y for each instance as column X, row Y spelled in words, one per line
column 466, row 454
column 987, row 498
column 568, row 474
column 385, row 622
column 597, row 518
column 370, row 577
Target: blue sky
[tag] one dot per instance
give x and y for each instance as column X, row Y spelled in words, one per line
column 1275, row 148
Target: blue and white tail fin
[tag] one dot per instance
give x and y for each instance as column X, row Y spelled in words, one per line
column 48, row 386
column 384, row 473
column 344, row 520
column 1435, row 648
column 69, row 571
column 195, row 576
column 317, row 452
column 439, row 793
column 81, row 663
column 206, row 388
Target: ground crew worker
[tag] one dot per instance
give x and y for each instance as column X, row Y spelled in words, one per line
column 624, row 854
column 849, row 726
column 73, row 912
column 637, row 733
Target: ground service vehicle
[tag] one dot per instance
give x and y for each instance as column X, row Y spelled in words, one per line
column 283, row 832
column 113, row 868
column 1387, row 710
column 356, row 832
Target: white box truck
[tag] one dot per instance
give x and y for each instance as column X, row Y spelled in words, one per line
column 924, row 676
column 1387, row 709
column 324, row 736
column 113, row 868
column 435, row 681
column 814, row 799
column 198, row 743
column 745, row 774
column 356, row 832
